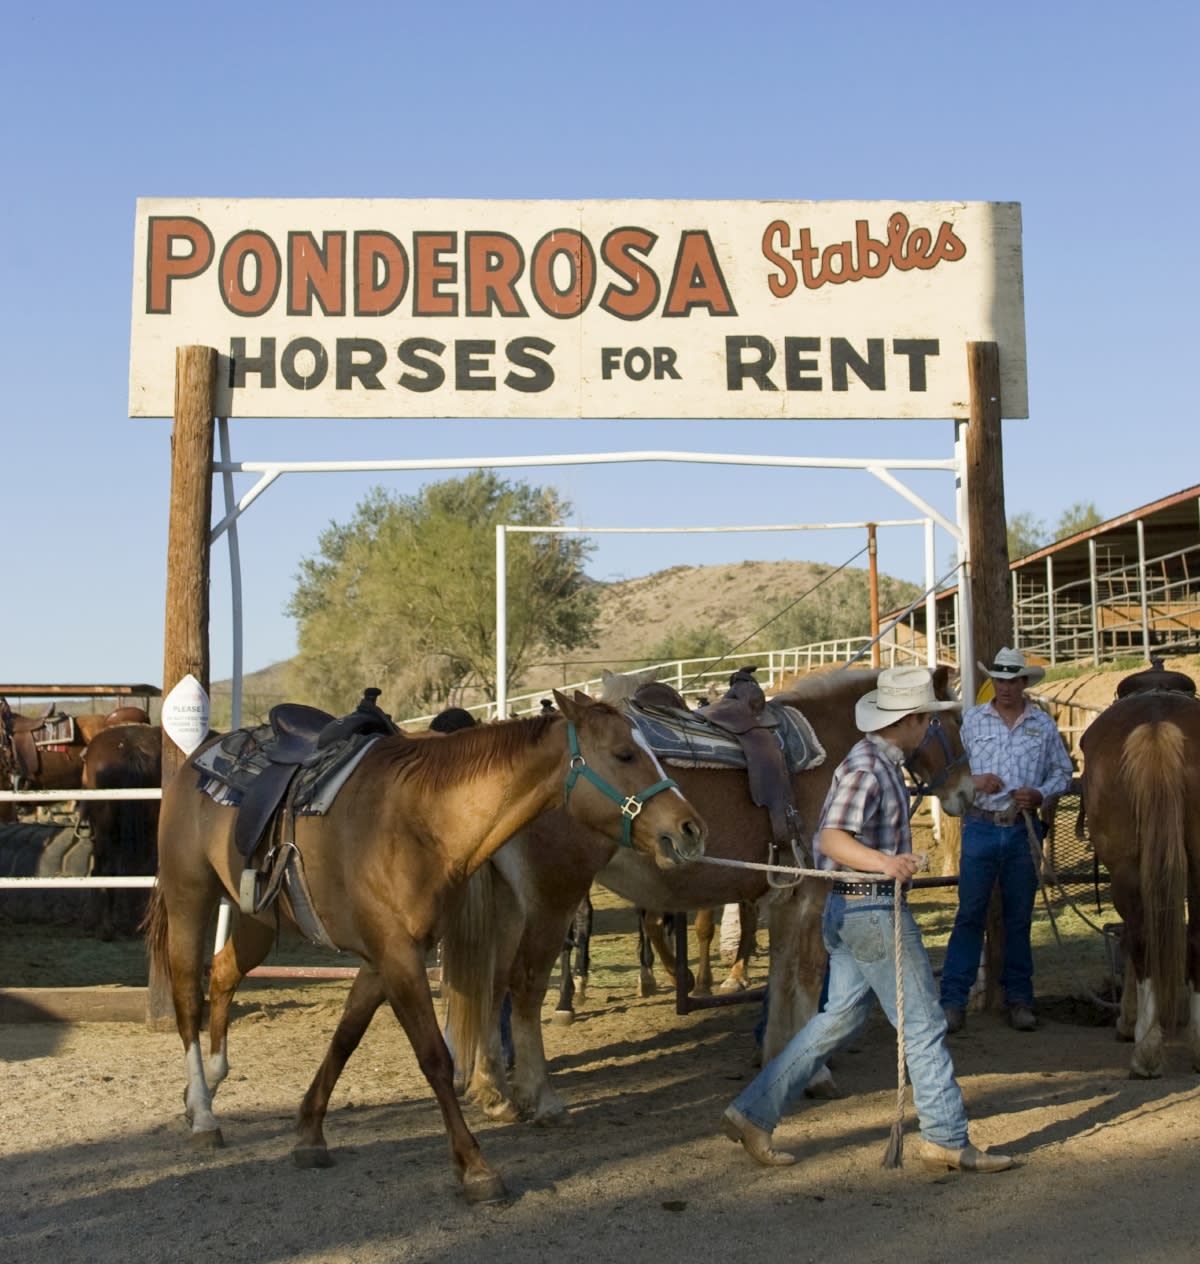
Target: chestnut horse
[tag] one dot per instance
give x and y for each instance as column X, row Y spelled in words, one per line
column 1141, row 793
column 414, row 818
column 549, row 866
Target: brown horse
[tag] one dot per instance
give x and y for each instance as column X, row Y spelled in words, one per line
column 32, row 756
column 414, row 818
column 551, row 864
column 123, row 831
column 1142, row 803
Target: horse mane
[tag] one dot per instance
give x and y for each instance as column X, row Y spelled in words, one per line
column 433, row 764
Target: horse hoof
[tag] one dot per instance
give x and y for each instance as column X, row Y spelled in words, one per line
column 211, row 1140
column 311, row 1156
column 733, row 985
column 1141, row 1073
column 504, row 1112
column 563, row 1017
column 484, row 1189
column 580, row 987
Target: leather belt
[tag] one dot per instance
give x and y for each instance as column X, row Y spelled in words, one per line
column 857, row 890
column 1009, row 816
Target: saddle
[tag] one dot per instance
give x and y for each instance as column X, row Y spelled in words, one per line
column 24, row 735
column 1156, row 679
column 126, row 715
column 740, row 729
column 256, row 770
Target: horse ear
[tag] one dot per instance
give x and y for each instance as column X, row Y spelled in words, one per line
column 570, row 707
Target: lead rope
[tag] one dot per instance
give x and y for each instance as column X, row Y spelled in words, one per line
column 1039, row 862
column 893, row 1156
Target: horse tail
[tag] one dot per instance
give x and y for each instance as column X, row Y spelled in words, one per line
column 154, row 928
column 469, row 964
column 1153, row 769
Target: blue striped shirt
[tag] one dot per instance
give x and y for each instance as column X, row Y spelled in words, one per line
column 869, row 799
column 1031, row 753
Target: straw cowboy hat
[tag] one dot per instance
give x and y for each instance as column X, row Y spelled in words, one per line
column 898, row 692
column 1010, row 664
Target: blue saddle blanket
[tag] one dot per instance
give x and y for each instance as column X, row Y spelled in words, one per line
column 230, row 766
column 687, row 740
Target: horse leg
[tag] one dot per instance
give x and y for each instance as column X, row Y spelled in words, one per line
column 246, row 947
column 1147, row 1060
column 564, row 1010
column 366, row 996
column 186, row 928
column 652, row 942
column 705, row 928
column 1193, row 960
column 1127, row 1015
column 647, row 984
column 529, row 980
column 797, row 971
column 573, row 982
column 582, row 933
column 407, row 989
column 737, row 980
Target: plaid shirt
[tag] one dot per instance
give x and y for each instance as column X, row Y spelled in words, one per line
column 868, row 798
column 1031, row 753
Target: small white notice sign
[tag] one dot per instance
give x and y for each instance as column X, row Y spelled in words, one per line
column 185, row 714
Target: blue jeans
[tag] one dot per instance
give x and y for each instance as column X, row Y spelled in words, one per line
column 993, row 853
column 860, row 937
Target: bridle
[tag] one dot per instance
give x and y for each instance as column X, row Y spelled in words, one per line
column 951, row 765
column 630, row 805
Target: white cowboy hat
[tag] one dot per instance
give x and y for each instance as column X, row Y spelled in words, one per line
column 898, row 692
column 1010, row 664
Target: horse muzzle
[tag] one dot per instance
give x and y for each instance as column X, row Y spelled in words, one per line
column 681, row 846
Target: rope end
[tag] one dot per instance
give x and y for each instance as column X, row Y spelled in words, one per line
column 894, row 1155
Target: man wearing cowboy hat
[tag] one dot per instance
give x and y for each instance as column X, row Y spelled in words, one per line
column 864, row 826
column 1018, row 761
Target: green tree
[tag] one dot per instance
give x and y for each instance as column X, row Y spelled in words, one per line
column 1026, row 534
column 1079, row 517
column 403, row 596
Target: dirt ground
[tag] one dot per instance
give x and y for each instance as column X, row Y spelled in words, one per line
column 95, row 1163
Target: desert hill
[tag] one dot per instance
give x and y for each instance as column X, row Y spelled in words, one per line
column 740, row 599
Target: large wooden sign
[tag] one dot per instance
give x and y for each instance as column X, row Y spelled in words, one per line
column 331, row 308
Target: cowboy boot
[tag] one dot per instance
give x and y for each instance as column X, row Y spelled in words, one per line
column 754, row 1140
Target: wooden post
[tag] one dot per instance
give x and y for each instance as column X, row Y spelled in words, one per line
column 185, row 642
column 987, row 527
column 988, row 532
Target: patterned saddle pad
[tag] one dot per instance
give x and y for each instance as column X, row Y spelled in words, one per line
column 231, row 766
column 685, row 739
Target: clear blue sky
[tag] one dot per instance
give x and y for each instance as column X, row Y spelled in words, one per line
column 1085, row 113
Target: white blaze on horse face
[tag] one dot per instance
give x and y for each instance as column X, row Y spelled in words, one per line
column 639, row 738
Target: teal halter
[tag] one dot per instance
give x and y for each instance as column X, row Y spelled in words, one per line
column 630, row 805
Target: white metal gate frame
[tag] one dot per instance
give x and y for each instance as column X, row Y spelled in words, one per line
column 884, row 469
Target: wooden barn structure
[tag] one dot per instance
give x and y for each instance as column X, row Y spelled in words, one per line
column 1129, row 586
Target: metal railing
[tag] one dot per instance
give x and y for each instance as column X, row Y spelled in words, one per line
column 693, row 677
